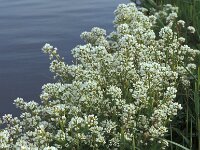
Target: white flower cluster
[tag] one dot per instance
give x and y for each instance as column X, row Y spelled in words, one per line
column 121, row 91
column 191, row 29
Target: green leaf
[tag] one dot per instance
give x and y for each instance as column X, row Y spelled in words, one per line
column 176, row 144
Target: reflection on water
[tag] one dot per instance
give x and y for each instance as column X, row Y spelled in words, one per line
column 26, row 25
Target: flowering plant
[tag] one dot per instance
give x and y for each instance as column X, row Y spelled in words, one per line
column 120, row 93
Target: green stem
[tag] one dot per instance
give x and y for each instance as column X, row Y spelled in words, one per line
column 191, row 133
column 171, row 137
column 133, row 143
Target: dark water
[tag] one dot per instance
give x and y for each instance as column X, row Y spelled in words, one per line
column 26, row 25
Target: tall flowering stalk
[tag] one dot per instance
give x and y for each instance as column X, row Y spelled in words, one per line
column 119, row 95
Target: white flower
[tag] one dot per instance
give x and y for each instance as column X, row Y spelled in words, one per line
column 122, row 85
column 191, row 29
column 50, row 148
column 181, row 22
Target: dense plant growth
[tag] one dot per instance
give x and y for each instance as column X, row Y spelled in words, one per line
column 119, row 94
column 186, row 129
column 188, row 11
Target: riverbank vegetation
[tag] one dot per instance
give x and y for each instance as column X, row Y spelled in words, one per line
column 135, row 88
column 188, row 129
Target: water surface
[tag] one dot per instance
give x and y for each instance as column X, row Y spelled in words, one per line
column 26, row 25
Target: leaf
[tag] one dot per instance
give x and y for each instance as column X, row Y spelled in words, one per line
column 181, row 146
column 179, row 132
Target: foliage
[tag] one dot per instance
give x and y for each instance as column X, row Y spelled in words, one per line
column 120, row 93
column 186, row 128
column 188, row 11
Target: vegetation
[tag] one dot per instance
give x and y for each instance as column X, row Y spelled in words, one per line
column 188, row 126
column 188, row 11
column 135, row 88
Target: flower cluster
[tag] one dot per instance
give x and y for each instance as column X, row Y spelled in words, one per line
column 120, row 93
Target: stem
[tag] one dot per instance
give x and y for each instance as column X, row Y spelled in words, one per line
column 191, row 133
column 197, row 107
column 171, row 136
column 198, row 133
column 133, row 143
column 122, row 142
column 187, row 114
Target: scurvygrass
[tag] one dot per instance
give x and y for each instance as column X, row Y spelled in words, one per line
column 189, row 119
column 122, row 93
column 189, row 10
column 197, row 107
